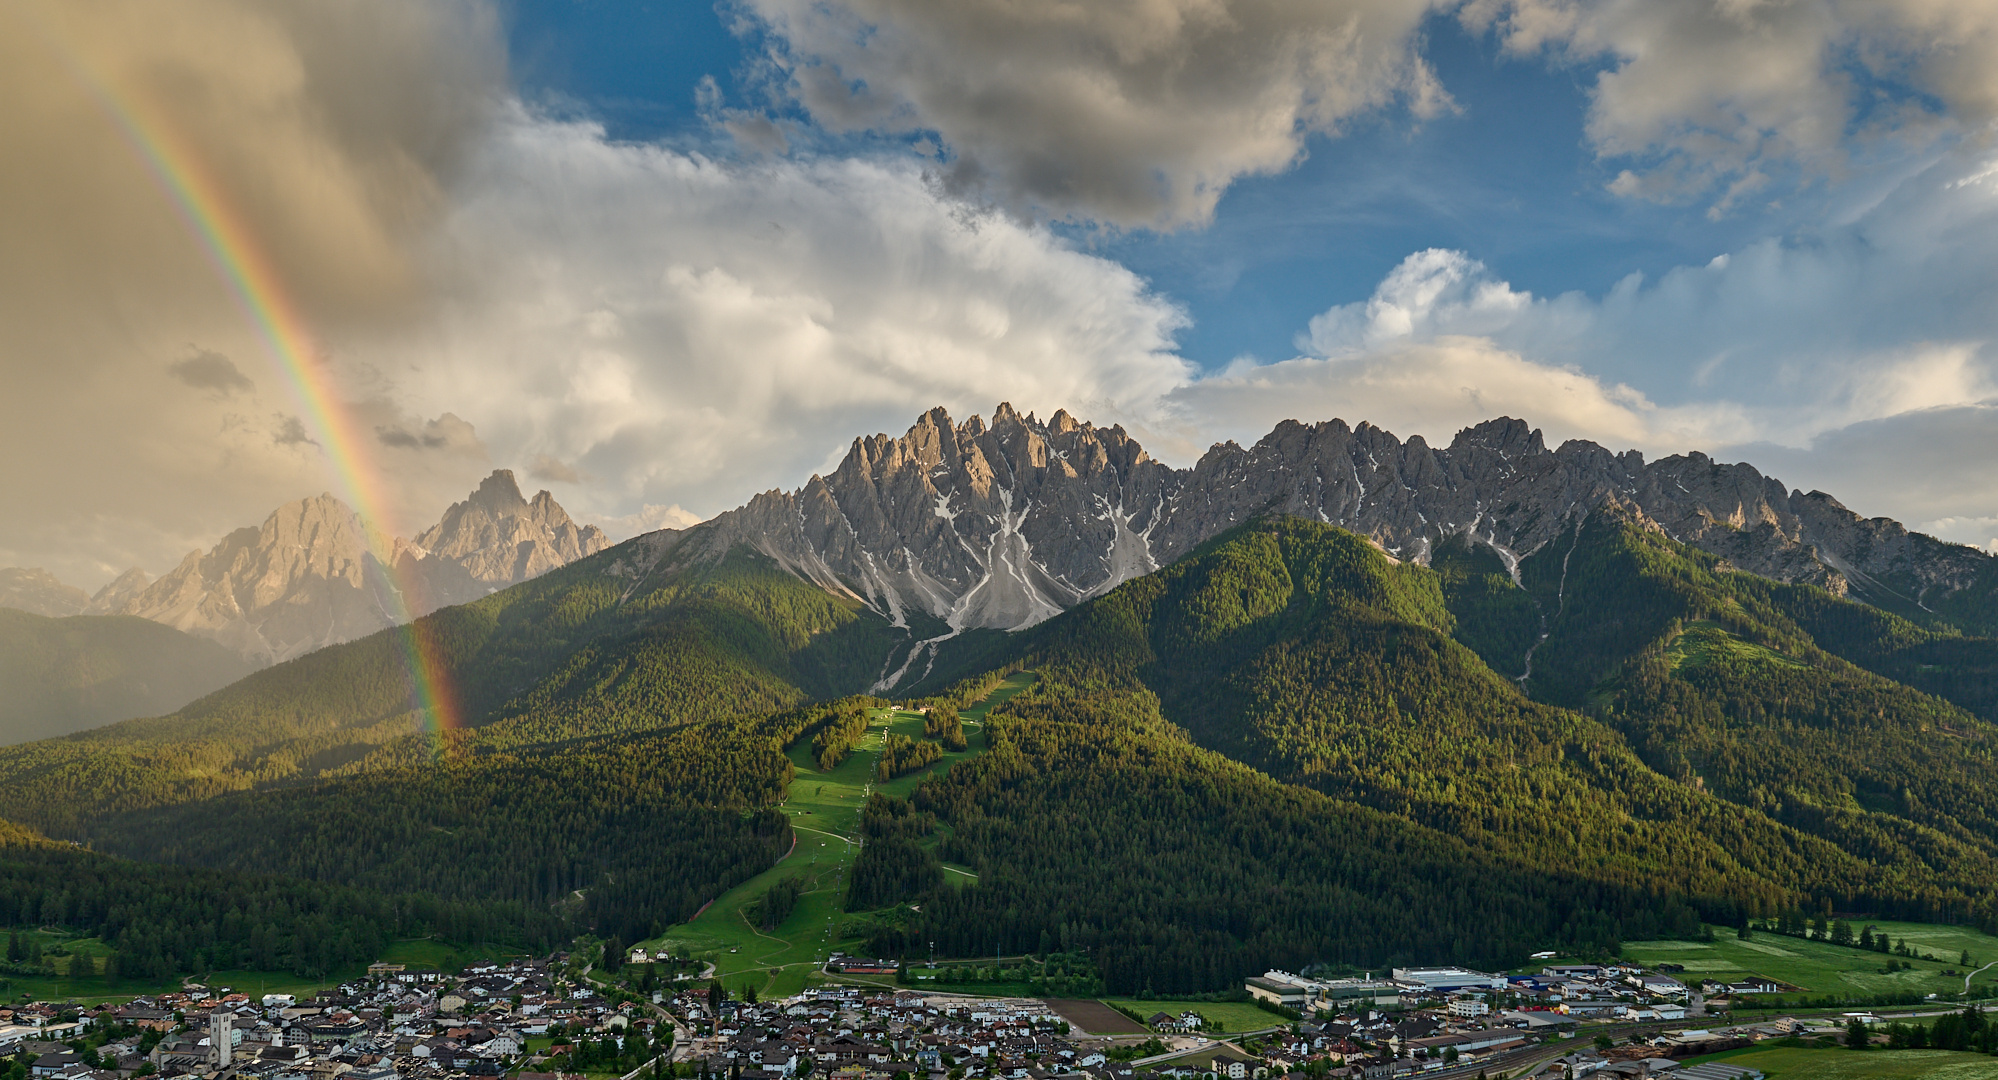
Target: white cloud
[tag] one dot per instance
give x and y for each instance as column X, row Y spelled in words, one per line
column 649, row 519
column 685, row 329
column 1710, row 96
column 1884, row 315
column 1436, row 387
column 1430, row 292
column 1133, row 112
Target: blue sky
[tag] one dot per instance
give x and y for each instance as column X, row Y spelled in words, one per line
column 657, row 257
column 1508, row 177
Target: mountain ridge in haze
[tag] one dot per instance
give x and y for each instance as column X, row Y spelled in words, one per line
column 308, row 576
column 38, row 592
column 71, row 673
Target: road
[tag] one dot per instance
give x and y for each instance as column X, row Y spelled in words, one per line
column 1974, row 974
column 1524, row 1057
column 1531, row 1057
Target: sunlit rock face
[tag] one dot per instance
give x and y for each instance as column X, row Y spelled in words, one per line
column 1004, row 525
column 309, row 577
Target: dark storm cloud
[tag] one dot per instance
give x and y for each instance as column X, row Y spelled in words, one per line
column 207, row 370
column 291, row 432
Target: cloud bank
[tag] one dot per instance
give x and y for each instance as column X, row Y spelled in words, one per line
column 676, row 325
column 657, row 333
column 142, row 416
column 1133, row 112
column 1720, row 98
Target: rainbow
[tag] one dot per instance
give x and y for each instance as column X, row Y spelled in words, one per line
column 255, row 284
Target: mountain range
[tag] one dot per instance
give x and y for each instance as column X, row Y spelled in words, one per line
column 1335, row 697
column 68, row 674
column 310, row 576
column 1005, row 525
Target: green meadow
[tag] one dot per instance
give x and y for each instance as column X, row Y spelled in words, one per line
column 1798, row 1063
column 1233, row 1016
column 1706, row 641
column 825, row 813
column 1823, row 968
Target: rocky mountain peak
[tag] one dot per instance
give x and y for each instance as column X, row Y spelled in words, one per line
column 491, row 540
column 122, row 589
column 38, row 592
column 948, row 518
column 499, row 494
column 544, row 509
column 310, row 575
column 1007, row 523
column 1502, row 435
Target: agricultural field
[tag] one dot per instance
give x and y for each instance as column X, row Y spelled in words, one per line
column 1797, row 1063
column 825, row 811
column 1095, row 1017
column 1233, row 1016
column 1824, row 968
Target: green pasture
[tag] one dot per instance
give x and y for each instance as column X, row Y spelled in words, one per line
column 825, row 814
column 1823, row 968
column 1798, row 1063
column 1234, row 1016
column 1013, row 684
column 1706, row 641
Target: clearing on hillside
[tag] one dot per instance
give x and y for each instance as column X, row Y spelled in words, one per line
column 824, row 808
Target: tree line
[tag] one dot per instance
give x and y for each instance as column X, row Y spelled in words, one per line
column 161, row 921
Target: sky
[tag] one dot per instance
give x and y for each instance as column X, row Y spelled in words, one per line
column 659, row 257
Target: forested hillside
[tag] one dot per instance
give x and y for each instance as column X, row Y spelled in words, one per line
column 614, row 643
column 1741, row 686
column 1285, row 748
column 69, row 674
column 1300, row 649
column 161, row 921
column 631, row 833
column 626, row 721
column 1178, row 870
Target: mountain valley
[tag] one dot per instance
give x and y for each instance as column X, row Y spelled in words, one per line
column 1561, row 697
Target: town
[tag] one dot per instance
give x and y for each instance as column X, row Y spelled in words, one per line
column 560, row 1018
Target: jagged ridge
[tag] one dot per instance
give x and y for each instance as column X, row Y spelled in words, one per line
column 308, row 577
column 1007, row 525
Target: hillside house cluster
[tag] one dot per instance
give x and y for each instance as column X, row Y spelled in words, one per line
column 852, row 1034
column 1605, row 991
column 395, row 1024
